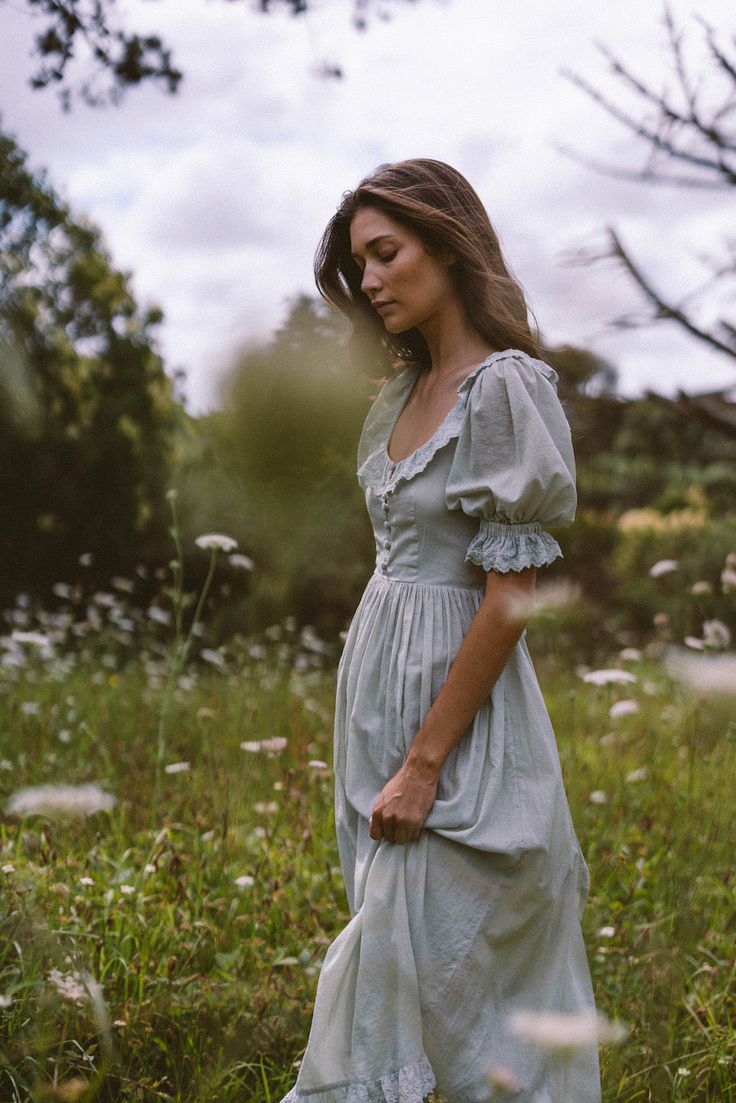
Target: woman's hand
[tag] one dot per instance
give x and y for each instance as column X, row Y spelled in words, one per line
column 403, row 804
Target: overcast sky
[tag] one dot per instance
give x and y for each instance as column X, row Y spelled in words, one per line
column 215, row 198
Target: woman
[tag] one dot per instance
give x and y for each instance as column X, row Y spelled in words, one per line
column 463, row 873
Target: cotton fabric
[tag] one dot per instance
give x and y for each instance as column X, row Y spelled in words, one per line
column 481, row 917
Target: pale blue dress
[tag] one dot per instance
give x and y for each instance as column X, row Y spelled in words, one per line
column 449, row 935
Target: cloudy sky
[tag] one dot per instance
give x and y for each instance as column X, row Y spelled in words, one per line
column 215, row 198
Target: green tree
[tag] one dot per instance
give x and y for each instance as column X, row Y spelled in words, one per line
column 88, row 418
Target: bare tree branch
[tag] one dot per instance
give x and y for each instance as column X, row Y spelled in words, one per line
column 668, row 136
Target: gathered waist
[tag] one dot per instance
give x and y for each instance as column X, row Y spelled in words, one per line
column 378, row 579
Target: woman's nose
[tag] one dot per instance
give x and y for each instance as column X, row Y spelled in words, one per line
column 369, row 282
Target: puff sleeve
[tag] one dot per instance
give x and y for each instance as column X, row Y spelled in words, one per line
column 514, row 466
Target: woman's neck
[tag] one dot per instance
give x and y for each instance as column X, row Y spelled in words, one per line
column 454, row 345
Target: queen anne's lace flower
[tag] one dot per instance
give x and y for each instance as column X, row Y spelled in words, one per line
column 608, row 677
column 623, row 708
column 216, row 541
column 59, row 801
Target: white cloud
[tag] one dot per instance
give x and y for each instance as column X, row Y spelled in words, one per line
column 216, row 198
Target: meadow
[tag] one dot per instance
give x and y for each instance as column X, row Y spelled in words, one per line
column 164, row 942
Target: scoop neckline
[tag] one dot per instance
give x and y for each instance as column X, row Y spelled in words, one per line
column 417, row 372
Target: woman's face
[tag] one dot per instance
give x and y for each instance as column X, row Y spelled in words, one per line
column 398, row 270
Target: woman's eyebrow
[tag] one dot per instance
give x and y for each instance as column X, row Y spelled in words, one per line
column 371, row 243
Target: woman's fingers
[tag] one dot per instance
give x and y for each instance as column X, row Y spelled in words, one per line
column 391, row 829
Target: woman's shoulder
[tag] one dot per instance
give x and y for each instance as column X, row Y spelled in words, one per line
column 507, row 362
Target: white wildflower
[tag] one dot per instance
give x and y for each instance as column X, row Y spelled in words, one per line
column 71, row 987
column 250, row 745
column 317, row 764
column 309, row 639
column 64, row 735
column 177, row 768
column 214, row 657
column 59, row 800
column 608, row 677
column 705, row 674
column 630, row 654
column 6, row 1001
column 215, row 541
column 62, row 589
column 702, row 586
column 606, row 932
column 171, row 494
column 598, row 797
column 85, row 559
column 664, row 566
column 241, row 561
column 273, row 746
column 38, row 639
column 558, row 1031
column 639, row 774
column 86, row 881
column 245, row 881
column 8, row 868
column 716, row 634
column 127, row 890
column 549, row 598
column 694, row 643
column 161, row 616
column 149, row 867
column 266, row 808
column 30, row 708
column 623, row 708
column 661, row 620
column 125, row 584
column 728, row 579
column 682, row 1071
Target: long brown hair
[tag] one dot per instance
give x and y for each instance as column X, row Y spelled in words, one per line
column 438, row 204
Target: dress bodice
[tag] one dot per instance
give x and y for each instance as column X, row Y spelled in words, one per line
column 465, row 501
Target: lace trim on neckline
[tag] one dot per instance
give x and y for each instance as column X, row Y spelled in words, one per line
column 382, row 474
column 409, row 1084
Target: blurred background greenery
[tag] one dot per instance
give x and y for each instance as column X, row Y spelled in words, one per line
column 93, row 434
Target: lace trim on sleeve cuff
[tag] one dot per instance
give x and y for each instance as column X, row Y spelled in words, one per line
column 507, row 547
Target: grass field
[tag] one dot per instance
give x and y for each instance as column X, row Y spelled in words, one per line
column 199, row 905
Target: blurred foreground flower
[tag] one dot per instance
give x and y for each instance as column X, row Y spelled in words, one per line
column 59, row 801
column 703, row 673
column 565, row 1032
column 75, row 987
column 550, row 598
column 503, row 1079
column 216, row 541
